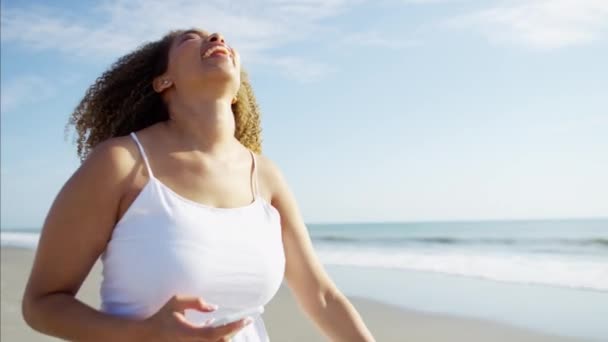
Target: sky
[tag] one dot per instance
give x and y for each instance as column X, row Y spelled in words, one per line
column 386, row 110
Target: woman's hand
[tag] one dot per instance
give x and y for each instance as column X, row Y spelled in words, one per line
column 170, row 325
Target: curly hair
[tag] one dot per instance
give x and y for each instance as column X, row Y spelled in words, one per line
column 123, row 100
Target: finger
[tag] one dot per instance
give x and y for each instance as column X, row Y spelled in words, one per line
column 181, row 303
column 181, row 319
column 230, row 336
column 228, row 329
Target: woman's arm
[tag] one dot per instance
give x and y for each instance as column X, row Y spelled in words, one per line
column 314, row 290
column 75, row 232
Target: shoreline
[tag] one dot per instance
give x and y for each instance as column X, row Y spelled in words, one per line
column 557, row 311
column 283, row 319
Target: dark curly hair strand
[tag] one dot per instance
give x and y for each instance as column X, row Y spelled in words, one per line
column 123, row 100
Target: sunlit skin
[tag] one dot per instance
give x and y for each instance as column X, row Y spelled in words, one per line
column 196, row 153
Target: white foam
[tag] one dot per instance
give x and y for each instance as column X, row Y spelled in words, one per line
column 515, row 268
column 19, row 239
column 528, row 269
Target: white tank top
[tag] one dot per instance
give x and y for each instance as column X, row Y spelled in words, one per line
column 166, row 245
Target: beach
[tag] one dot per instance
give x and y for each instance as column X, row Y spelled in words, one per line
column 284, row 321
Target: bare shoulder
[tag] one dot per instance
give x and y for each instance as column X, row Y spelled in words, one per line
column 270, row 176
column 107, row 172
column 81, row 216
column 97, row 187
column 267, row 166
column 115, row 155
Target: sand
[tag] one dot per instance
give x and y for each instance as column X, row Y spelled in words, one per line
column 283, row 319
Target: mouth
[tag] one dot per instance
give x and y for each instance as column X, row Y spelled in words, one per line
column 216, row 51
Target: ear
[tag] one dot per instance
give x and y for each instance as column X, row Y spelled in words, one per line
column 161, row 83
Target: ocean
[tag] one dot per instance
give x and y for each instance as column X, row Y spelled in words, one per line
column 563, row 253
column 547, row 275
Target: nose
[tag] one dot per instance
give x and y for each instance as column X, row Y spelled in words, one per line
column 216, row 37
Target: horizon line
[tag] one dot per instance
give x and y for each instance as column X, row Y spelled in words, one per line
column 585, row 218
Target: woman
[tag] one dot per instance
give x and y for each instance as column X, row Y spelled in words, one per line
column 190, row 224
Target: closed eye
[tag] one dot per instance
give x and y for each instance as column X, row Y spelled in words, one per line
column 189, row 36
column 192, row 36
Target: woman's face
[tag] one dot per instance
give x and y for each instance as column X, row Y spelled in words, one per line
column 198, row 59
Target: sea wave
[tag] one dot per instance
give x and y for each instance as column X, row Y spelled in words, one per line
column 20, row 239
column 548, row 269
column 445, row 240
column 522, row 268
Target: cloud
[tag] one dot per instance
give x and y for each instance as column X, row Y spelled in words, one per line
column 31, row 89
column 23, row 90
column 424, row 2
column 376, row 39
column 116, row 27
column 302, row 70
column 540, row 24
column 310, row 9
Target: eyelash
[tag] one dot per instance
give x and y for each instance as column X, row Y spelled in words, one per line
column 190, row 36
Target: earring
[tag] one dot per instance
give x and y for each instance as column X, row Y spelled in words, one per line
column 165, row 82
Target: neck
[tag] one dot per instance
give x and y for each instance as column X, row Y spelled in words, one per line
column 207, row 125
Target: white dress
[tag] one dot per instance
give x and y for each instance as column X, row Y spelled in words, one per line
column 167, row 245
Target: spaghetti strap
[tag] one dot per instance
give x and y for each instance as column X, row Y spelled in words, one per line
column 254, row 181
column 208, row 251
column 143, row 154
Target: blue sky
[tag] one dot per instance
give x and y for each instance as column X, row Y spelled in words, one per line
column 375, row 110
